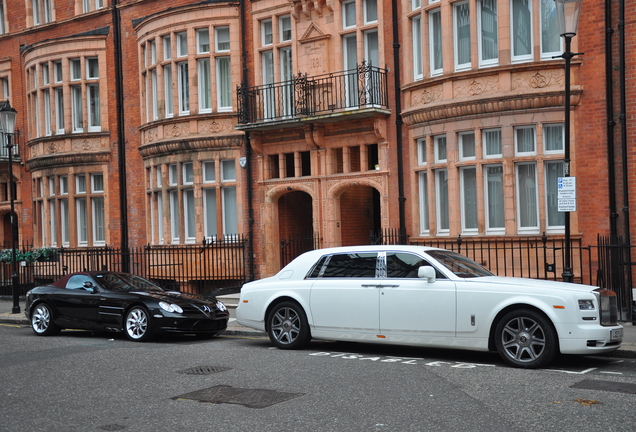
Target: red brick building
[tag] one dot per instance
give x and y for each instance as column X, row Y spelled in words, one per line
column 324, row 121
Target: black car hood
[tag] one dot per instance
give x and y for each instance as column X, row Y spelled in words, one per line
column 176, row 297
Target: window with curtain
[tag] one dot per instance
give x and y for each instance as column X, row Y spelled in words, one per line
column 488, row 33
column 521, row 28
column 423, row 203
column 442, row 204
column 204, row 81
column 527, row 197
column 462, row 35
column 468, row 184
column 491, row 141
column 494, row 196
column 550, row 38
column 553, row 138
column 525, row 140
column 555, row 219
column 416, row 32
column 435, row 41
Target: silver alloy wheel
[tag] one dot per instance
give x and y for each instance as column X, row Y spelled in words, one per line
column 41, row 318
column 285, row 325
column 523, row 339
column 137, row 323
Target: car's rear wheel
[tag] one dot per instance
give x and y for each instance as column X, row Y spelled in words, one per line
column 42, row 320
column 137, row 325
column 287, row 326
column 526, row 339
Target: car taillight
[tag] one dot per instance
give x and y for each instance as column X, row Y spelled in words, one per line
column 608, row 306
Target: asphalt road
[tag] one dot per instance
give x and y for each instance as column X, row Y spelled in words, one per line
column 79, row 381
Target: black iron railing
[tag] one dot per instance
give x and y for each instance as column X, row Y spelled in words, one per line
column 364, row 87
column 200, row 269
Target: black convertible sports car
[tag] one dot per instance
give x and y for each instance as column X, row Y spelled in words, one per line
column 111, row 301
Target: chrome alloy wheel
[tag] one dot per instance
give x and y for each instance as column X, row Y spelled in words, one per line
column 41, row 319
column 285, row 325
column 137, row 325
column 523, row 339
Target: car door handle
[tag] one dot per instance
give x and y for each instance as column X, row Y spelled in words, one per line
column 371, row 286
column 388, row 286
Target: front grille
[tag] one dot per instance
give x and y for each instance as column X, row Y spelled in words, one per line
column 608, row 306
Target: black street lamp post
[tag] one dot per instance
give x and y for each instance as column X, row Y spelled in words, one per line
column 7, row 128
column 568, row 18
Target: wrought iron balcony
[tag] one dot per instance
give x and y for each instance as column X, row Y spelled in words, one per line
column 303, row 96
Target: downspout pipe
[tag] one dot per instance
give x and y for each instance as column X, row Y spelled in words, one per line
column 248, row 150
column 398, row 120
column 609, row 112
column 121, row 137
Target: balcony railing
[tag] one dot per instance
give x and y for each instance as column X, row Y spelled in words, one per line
column 303, row 96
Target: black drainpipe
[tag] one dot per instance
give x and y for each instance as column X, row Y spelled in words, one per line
column 248, row 152
column 609, row 111
column 398, row 120
column 623, row 118
column 121, row 138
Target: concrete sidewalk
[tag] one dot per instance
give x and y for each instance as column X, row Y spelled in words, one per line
column 627, row 349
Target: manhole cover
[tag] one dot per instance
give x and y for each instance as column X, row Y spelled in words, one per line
column 204, row 370
column 251, row 398
column 616, row 387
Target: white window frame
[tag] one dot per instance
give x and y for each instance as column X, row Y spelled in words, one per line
column 466, row 65
column 462, row 138
column 174, row 217
column 98, row 221
column 203, row 41
column 549, row 25
column 77, row 112
column 422, row 178
column 208, row 167
column 468, row 201
column 46, row 96
column 228, row 166
column 182, row 44
column 169, row 97
column 442, row 209
column 94, row 115
column 497, row 199
column 189, row 223
column 82, row 221
column 267, row 32
column 485, row 139
column 224, row 83
column 421, row 151
column 222, row 39
column 547, row 138
column 370, row 11
column 526, row 214
column 348, row 14
column 167, row 47
column 481, row 35
column 204, row 85
column 285, row 28
column 183, row 87
column 522, row 57
column 435, row 39
column 519, row 152
column 75, row 67
column 229, row 200
column 551, row 198
column 416, row 39
column 210, row 214
column 440, row 143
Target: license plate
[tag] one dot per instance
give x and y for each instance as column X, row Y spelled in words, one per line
column 616, row 334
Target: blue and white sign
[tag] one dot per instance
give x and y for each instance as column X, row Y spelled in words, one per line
column 566, row 194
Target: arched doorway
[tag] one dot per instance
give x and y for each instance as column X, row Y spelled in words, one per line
column 359, row 215
column 295, row 225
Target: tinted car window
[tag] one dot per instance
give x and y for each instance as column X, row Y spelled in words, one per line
column 459, row 264
column 406, row 265
column 77, row 281
column 358, row 265
column 125, row 282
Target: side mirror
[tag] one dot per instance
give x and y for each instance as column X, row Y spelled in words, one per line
column 88, row 286
column 426, row 272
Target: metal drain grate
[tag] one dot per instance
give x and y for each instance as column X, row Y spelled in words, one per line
column 251, row 398
column 204, row 370
column 611, row 386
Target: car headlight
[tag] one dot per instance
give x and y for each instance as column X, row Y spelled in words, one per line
column 220, row 306
column 586, row 305
column 170, row 307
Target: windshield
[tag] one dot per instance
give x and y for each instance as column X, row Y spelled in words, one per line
column 126, row 282
column 462, row 266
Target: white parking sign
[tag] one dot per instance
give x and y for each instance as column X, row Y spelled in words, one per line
column 566, row 194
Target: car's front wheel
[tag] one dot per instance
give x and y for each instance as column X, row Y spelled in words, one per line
column 137, row 325
column 42, row 320
column 287, row 326
column 526, row 339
